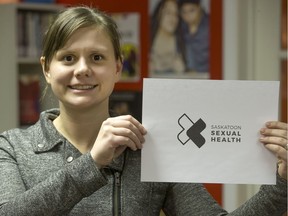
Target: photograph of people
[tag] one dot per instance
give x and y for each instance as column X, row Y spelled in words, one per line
column 81, row 160
column 180, row 38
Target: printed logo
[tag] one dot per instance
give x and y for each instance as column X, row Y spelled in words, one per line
column 191, row 131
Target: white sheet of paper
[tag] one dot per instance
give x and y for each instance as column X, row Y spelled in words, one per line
column 220, row 120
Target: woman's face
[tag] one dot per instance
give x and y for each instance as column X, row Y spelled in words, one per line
column 169, row 17
column 83, row 72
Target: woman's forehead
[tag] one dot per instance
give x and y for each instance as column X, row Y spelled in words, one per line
column 87, row 33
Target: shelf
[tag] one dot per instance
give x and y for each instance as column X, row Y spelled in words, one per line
column 19, row 59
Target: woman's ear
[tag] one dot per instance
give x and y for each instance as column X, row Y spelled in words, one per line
column 119, row 67
column 44, row 70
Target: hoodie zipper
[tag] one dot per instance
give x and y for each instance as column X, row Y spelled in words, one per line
column 116, row 194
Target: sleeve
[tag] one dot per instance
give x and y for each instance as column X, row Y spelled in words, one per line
column 56, row 195
column 190, row 199
column 271, row 200
column 194, row 199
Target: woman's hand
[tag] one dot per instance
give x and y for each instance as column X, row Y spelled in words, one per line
column 274, row 137
column 115, row 135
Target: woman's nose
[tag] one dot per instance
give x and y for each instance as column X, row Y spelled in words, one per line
column 82, row 69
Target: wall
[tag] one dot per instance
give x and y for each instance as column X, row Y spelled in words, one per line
column 251, row 39
column 251, row 50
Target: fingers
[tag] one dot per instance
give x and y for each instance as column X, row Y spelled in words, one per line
column 128, row 131
column 277, row 125
column 280, row 152
column 280, row 141
column 115, row 135
column 274, row 137
column 274, row 133
column 275, row 128
column 131, row 127
column 127, row 138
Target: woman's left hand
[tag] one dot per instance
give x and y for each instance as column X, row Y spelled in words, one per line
column 274, row 137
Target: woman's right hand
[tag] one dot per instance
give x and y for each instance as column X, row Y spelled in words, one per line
column 115, row 135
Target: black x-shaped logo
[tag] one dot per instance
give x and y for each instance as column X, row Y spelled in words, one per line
column 191, row 130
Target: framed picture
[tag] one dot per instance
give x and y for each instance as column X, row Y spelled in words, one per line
column 183, row 38
column 129, row 28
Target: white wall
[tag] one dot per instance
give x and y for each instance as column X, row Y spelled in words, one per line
column 251, row 51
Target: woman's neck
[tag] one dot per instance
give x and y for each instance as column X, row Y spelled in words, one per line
column 80, row 127
column 164, row 43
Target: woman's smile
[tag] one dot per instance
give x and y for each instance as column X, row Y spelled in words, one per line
column 82, row 87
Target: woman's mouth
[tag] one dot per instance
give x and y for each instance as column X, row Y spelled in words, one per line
column 82, row 87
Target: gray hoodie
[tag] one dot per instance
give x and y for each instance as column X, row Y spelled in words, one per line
column 41, row 173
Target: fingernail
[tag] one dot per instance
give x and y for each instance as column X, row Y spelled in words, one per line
column 144, row 130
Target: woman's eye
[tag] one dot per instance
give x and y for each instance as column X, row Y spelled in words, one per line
column 68, row 58
column 97, row 57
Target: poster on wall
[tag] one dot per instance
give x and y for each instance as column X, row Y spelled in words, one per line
column 179, row 38
column 126, row 103
column 128, row 26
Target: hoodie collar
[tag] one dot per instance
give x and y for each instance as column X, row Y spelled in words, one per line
column 49, row 137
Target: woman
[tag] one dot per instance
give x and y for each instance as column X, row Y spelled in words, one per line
column 165, row 59
column 78, row 160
